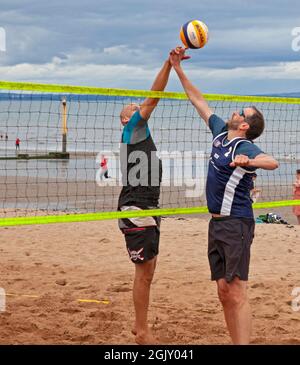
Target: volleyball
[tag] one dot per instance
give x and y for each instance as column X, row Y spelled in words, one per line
column 194, row 34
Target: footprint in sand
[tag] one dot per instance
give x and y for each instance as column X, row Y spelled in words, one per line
column 82, row 324
column 120, row 288
column 82, row 287
column 61, row 282
column 279, row 329
column 70, row 310
column 258, row 285
column 104, row 240
column 256, row 299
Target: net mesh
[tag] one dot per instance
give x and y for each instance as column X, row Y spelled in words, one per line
column 64, row 136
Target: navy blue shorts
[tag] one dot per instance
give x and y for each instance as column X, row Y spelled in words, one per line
column 229, row 242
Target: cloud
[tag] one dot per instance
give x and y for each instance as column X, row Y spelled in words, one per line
column 122, row 43
column 118, row 54
column 282, row 70
column 80, row 74
column 122, row 75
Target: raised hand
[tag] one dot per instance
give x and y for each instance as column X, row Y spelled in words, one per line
column 177, row 55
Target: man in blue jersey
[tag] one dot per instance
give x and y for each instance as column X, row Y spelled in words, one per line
column 233, row 160
column 141, row 177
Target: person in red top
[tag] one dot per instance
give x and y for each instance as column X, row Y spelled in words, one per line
column 18, row 144
column 104, row 168
column 296, row 208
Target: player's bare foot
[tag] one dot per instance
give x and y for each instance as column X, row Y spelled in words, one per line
column 134, row 330
column 145, row 339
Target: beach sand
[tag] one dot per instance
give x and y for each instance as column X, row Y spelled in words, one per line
column 60, row 263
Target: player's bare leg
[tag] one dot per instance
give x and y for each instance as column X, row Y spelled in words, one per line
column 141, row 293
column 233, row 297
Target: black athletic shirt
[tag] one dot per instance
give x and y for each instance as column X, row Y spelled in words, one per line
column 141, row 168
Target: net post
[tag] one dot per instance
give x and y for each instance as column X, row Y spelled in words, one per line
column 64, row 125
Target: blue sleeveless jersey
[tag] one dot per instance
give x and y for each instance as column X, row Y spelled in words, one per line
column 228, row 188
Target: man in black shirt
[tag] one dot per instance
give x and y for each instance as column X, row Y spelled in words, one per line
column 141, row 178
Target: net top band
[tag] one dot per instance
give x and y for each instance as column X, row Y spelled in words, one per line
column 68, row 89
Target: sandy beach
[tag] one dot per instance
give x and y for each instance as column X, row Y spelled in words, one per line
column 46, row 270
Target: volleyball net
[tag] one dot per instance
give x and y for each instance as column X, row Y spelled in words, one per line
column 60, row 151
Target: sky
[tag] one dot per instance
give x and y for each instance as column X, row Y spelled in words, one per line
column 123, row 44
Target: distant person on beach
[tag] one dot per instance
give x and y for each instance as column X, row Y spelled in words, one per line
column 254, row 192
column 18, row 144
column 296, row 193
column 141, row 178
column 6, row 137
column 234, row 158
column 104, row 168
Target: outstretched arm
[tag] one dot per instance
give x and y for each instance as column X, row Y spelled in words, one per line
column 262, row 161
column 159, row 84
column 192, row 92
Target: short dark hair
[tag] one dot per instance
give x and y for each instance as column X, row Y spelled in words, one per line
column 298, row 171
column 256, row 123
